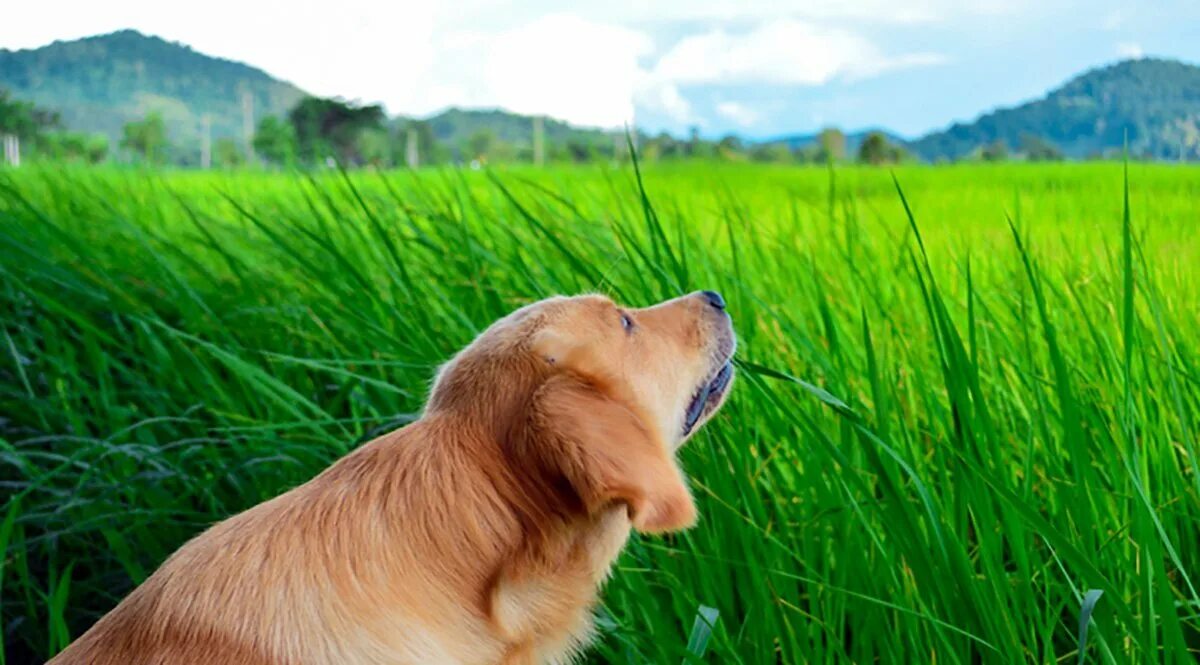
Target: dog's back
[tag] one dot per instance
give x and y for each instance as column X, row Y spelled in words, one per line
column 380, row 559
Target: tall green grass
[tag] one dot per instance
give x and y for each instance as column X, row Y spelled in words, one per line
column 965, row 430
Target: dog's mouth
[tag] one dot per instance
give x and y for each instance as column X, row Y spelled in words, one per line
column 708, row 397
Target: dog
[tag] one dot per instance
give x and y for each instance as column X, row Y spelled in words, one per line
column 480, row 533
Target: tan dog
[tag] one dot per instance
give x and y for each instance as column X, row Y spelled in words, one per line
column 478, row 534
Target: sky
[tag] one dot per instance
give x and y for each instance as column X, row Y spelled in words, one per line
column 757, row 69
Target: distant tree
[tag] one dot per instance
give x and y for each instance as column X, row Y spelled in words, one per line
column 831, row 144
column 227, row 153
column 42, row 137
column 73, row 147
column 777, row 153
column 809, row 154
column 23, row 119
column 877, row 149
column 94, row 148
column 701, row 149
column 275, row 141
column 480, row 143
column 697, row 147
column 1038, row 149
column 35, row 128
column 330, row 128
column 147, row 138
column 507, row 151
column 580, row 151
column 873, row 149
column 730, row 147
column 647, row 148
column 996, row 151
column 664, row 146
column 374, row 147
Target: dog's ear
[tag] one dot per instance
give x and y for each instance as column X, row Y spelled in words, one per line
column 607, row 455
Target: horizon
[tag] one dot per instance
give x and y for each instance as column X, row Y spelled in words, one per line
column 750, row 71
column 849, row 131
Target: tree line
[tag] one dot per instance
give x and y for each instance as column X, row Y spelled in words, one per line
column 42, row 135
column 324, row 132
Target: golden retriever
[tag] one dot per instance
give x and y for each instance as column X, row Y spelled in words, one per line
column 480, row 533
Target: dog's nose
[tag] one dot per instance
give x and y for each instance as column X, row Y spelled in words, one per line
column 714, row 299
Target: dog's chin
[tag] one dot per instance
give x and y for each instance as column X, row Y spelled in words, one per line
column 708, row 399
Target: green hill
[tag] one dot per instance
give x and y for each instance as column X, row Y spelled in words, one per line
column 1156, row 101
column 97, row 84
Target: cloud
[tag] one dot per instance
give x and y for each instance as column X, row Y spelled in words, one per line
column 1113, row 20
column 661, row 12
column 591, row 65
column 594, row 73
column 1130, row 50
column 667, row 100
column 566, row 67
column 778, row 52
column 737, row 113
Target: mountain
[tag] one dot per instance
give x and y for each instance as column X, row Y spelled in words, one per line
column 1156, row 101
column 97, row 84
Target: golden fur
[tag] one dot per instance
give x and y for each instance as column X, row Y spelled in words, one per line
column 478, row 534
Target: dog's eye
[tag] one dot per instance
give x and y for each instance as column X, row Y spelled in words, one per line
column 627, row 323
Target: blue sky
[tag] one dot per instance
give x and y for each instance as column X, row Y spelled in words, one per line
column 757, row 69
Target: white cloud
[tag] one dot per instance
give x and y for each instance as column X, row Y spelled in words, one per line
column 566, row 67
column 1113, row 20
column 666, row 99
column 869, row 68
column 1130, row 50
column 880, row 12
column 595, row 73
column 737, row 113
column 591, row 66
column 778, row 52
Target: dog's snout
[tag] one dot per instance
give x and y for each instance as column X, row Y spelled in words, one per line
column 713, row 298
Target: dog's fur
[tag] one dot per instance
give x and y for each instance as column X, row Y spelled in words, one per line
column 478, row 534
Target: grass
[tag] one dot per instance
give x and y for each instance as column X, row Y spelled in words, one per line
column 965, row 430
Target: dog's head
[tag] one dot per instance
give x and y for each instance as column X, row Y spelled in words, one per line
column 594, row 397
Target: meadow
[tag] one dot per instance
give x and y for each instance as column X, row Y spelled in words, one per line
column 965, row 427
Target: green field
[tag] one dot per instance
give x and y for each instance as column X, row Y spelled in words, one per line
column 947, row 431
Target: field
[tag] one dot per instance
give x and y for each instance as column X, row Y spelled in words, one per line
column 967, row 415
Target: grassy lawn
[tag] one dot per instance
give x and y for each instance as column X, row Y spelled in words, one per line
column 948, row 428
